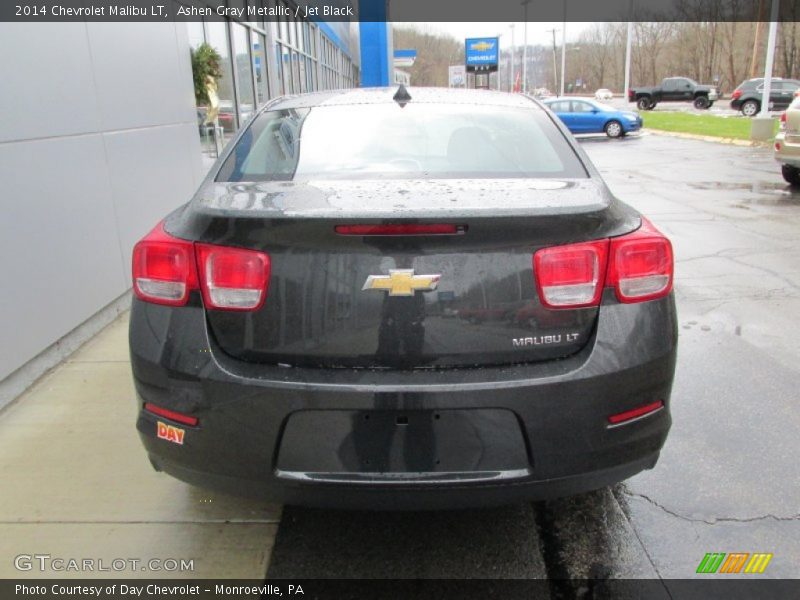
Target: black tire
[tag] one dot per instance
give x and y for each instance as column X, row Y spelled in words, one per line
column 614, row 129
column 750, row 108
column 701, row 103
column 791, row 174
column 645, row 103
column 710, row 104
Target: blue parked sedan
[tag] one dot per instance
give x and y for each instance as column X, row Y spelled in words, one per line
column 582, row 115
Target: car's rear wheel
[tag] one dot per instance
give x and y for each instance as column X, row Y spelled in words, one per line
column 791, row 174
column 613, row 129
column 645, row 103
column 750, row 108
column 701, row 103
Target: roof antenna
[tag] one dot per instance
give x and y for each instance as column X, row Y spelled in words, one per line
column 401, row 96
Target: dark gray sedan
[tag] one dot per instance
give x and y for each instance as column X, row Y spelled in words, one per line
column 387, row 298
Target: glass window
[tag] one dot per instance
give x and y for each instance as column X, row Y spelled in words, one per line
column 295, row 72
column 279, row 70
column 290, row 27
column 559, row 107
column 301, row 63
column 218, row 38
column 311, row 74
column 260, row 67
column 244, row 73
column 286, row 59
column 300, row 38
column 195, row 33
column 284, row 30
column 418, row 141
column 581, row 107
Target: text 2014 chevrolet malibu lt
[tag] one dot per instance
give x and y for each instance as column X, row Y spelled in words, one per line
column 418, row 298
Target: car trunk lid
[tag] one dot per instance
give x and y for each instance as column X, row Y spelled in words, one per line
column 464, row 296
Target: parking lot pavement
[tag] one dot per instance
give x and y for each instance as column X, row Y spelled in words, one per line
column 728, row 478
column 76, row 483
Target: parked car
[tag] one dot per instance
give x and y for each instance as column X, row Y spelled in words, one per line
column 397, row 203
column 674, row 89
column 747, row 97
column 581, row 115
column 787, row 144
column 542, row 93
column 603, row 94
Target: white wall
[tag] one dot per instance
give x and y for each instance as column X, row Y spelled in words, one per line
column 98, row 141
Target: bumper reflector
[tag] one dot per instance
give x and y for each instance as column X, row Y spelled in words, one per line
column 171, row 414
column 635, row 413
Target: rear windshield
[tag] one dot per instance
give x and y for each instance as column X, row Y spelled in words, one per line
column 389, row 141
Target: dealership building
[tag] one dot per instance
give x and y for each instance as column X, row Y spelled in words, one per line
column 101, row 137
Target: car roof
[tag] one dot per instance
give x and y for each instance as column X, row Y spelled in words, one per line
column 385, row 95
column 583, row 98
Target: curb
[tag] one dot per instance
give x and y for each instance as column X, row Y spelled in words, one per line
column 711, row 138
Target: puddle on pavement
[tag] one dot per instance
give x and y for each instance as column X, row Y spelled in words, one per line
column 770, row 193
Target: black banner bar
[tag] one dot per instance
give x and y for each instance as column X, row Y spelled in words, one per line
column 399, row 11
column 712, row 587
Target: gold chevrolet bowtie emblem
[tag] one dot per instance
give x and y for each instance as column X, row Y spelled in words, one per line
column 402, row 282
column 481, row 46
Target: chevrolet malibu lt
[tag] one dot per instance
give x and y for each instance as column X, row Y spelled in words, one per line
column 294, row 331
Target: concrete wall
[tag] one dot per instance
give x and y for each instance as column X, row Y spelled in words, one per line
column 98, row 141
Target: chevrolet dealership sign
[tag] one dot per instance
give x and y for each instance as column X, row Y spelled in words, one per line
column 482, row 54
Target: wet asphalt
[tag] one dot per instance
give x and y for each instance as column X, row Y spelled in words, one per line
column 728, row 479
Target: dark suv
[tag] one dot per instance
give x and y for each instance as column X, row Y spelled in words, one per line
column 747, row 97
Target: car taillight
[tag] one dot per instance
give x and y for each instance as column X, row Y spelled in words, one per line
column 233, row 278
column 640, row 265
column 630, row 94
column 783, row 121
column 164, row 270
column 571, row 276
column 736, row 94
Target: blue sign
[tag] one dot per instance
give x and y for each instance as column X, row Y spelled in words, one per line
column 482, row 53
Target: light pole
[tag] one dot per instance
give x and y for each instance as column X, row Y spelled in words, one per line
column 773, row 28
column 555, row 69
column 499, row 79
column 511, row 70
column 563, row 51
column 525, row 46
column 628, row 62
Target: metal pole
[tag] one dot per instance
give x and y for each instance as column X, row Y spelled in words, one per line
column 555, row 69
column 511, row 71
column 628, row 61
column 563, row 50
column 773, row 29
column 525, row 47
column 499, row 79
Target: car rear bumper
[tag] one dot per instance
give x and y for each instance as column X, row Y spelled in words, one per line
column 789, row 153
column 405, row 439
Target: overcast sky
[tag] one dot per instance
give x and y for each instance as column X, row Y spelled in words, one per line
column 537, row 32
